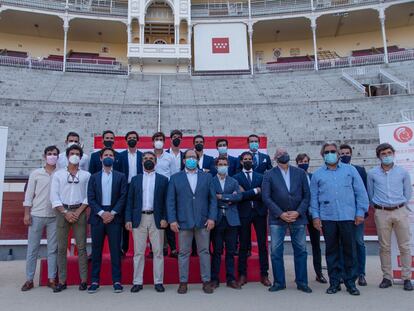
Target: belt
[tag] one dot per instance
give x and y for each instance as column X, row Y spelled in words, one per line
column 147, row 212
column 75, row 206
column 389, row 208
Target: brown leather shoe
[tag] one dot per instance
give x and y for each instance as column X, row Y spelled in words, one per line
column 215, row 284
column 207, row 288
column 27, row 286
column 242, row 280
column 182, row 289
column 51, row 284
column 265, row 281
column 233, row 284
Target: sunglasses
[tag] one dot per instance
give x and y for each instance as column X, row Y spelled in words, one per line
column 329, row 151
column 73, row 179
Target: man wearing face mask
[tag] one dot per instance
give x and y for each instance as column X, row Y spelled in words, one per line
column 339, row 202
column 165, row 161
column 146, row 218
column 286, row 195
column 390, row 190
column 261, row 161
column 71, row 139
column 68, row 194
column 302, row 161
column 252, row 211
column 39, row 215
column 222, row 148
column 95, row 164
column 107, row 192
column 225, row 232
column 205, row 162
column 192, row 212
column 176, row 137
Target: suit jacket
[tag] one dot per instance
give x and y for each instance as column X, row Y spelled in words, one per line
column 95, row 164
column 233, row 166
column 118, row 196
column 363, row 173
column 251, row 203
column 231, row 211
column 124, row 164
column 133, row 210
column 182, row 166
column 208, row 163
column 264, row 164
column 279, row 199
column 191, row 210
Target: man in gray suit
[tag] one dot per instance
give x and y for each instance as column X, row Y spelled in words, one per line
column 192, row 212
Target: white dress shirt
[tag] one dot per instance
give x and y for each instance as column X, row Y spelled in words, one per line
column 286, row 176
column 192, row 179
column 148, row 187
column 106, row 182
column 63, row 162
column 165, row 165
column 222, row 182
column 64, row 192
column 200, row 162
column 177, row 159
column 132, row 164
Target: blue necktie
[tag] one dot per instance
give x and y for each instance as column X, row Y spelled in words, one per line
column 254, row 159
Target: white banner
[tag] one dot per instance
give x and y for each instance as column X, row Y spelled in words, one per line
column 3, row 148
column 401, row 137
column 220, row 47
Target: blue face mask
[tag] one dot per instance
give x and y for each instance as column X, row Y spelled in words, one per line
column 190, row 163
column 388, row 160
column 254, row 146
column 222, row 170
column 222, row 150
column 346, row 159
column 304, row 166
column 330, row 158
column 108, row 162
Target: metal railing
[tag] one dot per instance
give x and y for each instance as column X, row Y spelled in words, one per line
column 407, row 114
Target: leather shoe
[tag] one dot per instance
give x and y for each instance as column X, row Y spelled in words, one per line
column 174, row 254
column 214, row 284
column 407, row 285
column 353, row 291
column 362, row 281
column 242, row 280
column 385, row 283
column 83, row 286
column 207, row 288
column 333, row 289
column 182, row 288
column 136, row 288
column 276, row 287
column 58, row 288
column 51, row 284
column 305, row 288
column 27, row 286
column 265, row 281
column 233, row 284
column 159, row 288
column 321, row 279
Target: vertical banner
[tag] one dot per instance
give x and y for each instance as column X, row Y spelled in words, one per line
column 3, row 147
column 401, row 137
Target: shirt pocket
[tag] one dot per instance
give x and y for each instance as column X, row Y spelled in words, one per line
column 348, row 181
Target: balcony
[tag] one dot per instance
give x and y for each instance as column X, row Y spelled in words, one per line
column 159, row 51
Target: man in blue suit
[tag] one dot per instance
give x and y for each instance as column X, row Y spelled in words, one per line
column 261, row 161
column 228, row 194
column 285, row 192
column 222, row 148
column 146, row 217
column 107, row 192
column 205, row 162
column 252, row 212
column 95, row 163
column 192, row 211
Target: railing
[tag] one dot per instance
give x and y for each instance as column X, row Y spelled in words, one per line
column 159, row 50
column 348, row 78
column 407, row 114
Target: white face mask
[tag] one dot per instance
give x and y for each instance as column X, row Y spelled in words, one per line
column 74, row 159
column 71, row 144
column 158, row 144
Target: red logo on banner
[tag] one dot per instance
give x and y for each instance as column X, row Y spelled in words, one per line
column 220, row 45
column 403, row 134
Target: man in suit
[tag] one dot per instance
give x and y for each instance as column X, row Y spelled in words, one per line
column 302, row 161
column 228, row 194
column 285, row 192
column 130, row 161
column 107, row 192
column 72, row 138
column 95, row 163
column 146, row 217
column 252, row 211
column 205, row 162
column 345, row 152
column 222, row 148
column 261, row 161
column 192, row 211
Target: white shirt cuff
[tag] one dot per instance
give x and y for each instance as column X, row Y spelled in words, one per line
column 113, row 212
column 100, row 213
column 255, row 191
column 56, row 204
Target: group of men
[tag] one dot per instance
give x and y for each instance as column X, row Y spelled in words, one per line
column 212, row 203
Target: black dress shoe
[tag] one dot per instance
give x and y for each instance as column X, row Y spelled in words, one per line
column 136, row 288
column 305, row 289
column 333, row 289
column 60, row 287
column 385, row 283
column 159, row 288
column 353, row 291
column 407, row 285
column 321, row 279
column 276, row 287
column 83, row 286
column 362, row 281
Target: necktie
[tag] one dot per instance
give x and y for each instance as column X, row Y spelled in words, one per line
column 254, row 159
column 249, row 179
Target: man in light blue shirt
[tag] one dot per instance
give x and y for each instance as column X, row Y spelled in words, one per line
column 338, row 204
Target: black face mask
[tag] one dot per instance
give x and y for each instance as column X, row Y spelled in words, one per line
column 283, row 159
column 199, row 147
column 108, row 143
column 132, row 143
column 176, row 142
column 149, row 165
column 248, row 165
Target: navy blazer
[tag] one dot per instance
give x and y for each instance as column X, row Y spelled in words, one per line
column 265, row 163
column 124, row 164
column 133, row 210
column 228, row 200
column 191, row 210
column 233, row 166
column 249, row 197
column 118, row 196
column 208, row 163
column 182, row 166
column 279, row 199
column 95, row 164
column 363, row 173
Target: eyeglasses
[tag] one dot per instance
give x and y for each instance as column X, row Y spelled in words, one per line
column 329, row 151
column 72, row 179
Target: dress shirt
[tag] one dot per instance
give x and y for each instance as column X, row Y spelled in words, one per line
column 338, row 195
column 286, row 176
column 165, row 165
column 148, row 187
column 200, row 162
column 63, row 192
column 132, row 165
column 106, row 188
column 37, row 194
column 192, row 179
column 307, row 177
column 389, row 188
column 177, row 159
column 63, row 162
column 222, row 182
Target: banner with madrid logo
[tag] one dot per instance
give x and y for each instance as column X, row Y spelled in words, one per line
column 401, row 137
column 220, row 47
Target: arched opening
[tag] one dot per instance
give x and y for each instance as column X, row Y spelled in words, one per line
column 159, row 23
column 183, row 32
column 135, row 31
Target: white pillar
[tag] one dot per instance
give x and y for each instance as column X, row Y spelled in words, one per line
column 189, row 34
column 141, row 33
column 384, row 36
column 250, row 30
column 315, row 47
column 65, row 40
column 177, row 34
column 129, row 33
column 312, row 5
